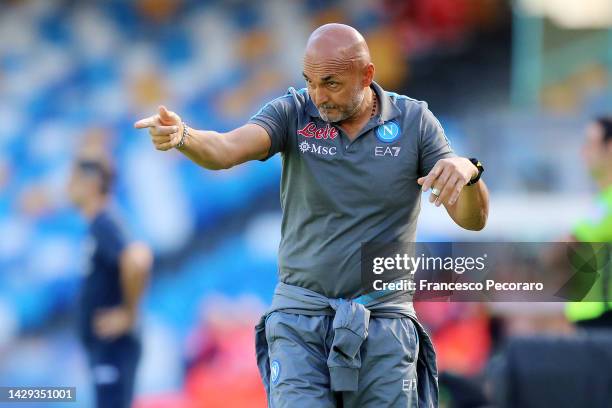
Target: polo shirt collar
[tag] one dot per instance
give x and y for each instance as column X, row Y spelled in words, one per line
column 388, row 109
column 311, row 109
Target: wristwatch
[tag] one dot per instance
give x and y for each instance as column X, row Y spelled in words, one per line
column 480, row 168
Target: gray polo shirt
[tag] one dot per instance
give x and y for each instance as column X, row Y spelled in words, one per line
column 337, row 193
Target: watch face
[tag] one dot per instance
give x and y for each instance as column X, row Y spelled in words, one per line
column 478, row 164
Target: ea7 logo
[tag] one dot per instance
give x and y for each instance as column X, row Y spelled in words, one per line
column 409, row 385
column 387, row 151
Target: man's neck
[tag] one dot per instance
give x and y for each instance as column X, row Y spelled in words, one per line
column 363, row 113
column 602, row 177
column 93, row 207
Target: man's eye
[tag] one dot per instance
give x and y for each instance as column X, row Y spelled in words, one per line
column 332, row 84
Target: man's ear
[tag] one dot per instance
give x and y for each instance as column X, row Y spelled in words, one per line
column 368, row 75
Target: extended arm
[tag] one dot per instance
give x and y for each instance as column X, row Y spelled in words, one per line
column 209, row 149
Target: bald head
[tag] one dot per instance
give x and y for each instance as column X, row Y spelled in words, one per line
column 337, row 42
column 338, row 71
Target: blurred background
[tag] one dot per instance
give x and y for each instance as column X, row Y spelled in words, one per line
column 513, row 83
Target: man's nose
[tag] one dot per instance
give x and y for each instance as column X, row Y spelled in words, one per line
column 319, row 96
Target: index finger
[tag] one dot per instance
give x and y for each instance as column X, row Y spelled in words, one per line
column 146, row 122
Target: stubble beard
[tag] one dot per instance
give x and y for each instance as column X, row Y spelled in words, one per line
column 346, row 112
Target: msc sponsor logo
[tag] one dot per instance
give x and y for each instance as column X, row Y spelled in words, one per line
column 311, row 130
column 388, row 132
column 317, row 149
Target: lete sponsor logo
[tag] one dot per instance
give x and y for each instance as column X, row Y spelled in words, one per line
column 311, row 130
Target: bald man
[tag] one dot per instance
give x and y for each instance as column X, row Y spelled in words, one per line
column 355, row 161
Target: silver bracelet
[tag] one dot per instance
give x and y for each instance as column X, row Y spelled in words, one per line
column 183, row 136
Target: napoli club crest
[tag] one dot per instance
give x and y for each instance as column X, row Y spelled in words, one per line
column 388, row 132
column 274, row 371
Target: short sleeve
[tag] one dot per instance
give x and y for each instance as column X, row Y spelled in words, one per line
column 110, row 240
column 274, row 118
column 434, row 143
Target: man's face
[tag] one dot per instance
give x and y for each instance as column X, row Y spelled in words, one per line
column 596, row 154
column 81, row 186
column 335, row 89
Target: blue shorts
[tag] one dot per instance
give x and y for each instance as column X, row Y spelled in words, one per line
column 113, row 368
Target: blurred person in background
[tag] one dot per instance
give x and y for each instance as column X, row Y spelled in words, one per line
column 116, row 276
column 558, row 369
column 597, row 156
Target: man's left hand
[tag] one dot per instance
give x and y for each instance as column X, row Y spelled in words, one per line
column 448, row 176
column 112, row 323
